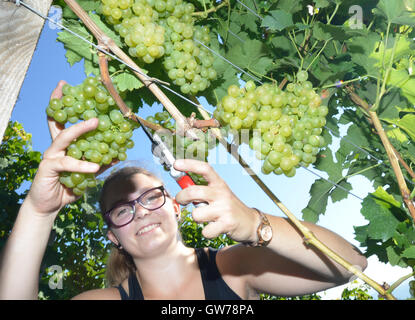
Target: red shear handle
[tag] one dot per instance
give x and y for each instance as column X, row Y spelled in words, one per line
column 186, row 181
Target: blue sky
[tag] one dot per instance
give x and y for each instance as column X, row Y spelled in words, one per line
column 49, row 66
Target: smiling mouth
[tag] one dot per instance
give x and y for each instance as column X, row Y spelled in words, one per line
column 148, row 229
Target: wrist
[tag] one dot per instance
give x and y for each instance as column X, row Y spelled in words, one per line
column 28, row 208
column 262, row 231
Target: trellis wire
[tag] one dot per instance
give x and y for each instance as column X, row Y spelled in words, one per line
column 249, row 9
column 171, row 90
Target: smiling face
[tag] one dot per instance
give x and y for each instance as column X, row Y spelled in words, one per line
column 150, row 232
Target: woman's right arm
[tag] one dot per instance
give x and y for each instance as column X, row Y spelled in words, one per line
column 22, row 255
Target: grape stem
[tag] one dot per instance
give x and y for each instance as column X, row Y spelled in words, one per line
column 205, row 13
column 390, row 151
column 196, row 123
column 183, row 127
column 106, row 80
column 309, row 237
column 398, row 282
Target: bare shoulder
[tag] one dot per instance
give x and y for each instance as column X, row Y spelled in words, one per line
column 99, row 294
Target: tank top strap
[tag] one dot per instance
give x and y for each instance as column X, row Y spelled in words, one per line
column 213, row 284
column 135, row 292
column 208, row 274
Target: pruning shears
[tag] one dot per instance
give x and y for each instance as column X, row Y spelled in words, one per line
column 166, row 157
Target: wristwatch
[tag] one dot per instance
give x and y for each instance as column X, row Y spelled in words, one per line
column 264, row 232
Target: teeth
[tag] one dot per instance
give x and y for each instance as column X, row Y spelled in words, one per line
column 148, row 228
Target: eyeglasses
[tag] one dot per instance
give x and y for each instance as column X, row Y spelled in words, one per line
column 122, row 214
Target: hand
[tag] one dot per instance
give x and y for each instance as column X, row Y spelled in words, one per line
column 47, row 195
column 225, row 212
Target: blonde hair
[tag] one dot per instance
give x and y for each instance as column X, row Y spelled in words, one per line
column 120, row 264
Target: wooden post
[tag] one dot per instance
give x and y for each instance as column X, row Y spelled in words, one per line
column 19, row 33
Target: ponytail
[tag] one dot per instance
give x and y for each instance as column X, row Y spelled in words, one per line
column 119, row 267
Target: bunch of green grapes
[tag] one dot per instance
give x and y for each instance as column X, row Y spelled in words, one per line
column 136, row 24
column 187, row 62
column 108, row 142
column 165, row 28
column 285, row 125
column 184, row 147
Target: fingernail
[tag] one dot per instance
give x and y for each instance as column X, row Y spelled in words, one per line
column 92, row 166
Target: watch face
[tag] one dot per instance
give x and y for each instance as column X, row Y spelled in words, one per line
column 266, row 233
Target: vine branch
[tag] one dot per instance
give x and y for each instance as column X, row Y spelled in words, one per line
column 390, row 151
column 106, row 80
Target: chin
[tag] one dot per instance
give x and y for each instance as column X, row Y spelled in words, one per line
column 156, row 245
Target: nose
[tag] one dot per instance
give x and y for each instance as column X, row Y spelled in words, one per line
column 140, row 211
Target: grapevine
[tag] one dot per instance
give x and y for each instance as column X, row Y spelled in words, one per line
column 103, row 145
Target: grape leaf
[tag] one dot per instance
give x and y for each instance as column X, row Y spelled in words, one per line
column 76, row 49
column 403, row 48
column 290, row 6
column 126, row 81
column 87, row 5
column 277, row 20
column 397, row 11
column 385, row 199
column 110, row 33
column 317, row 204
column 325, row 32
column 382, row 223
column 339, row 194
column 361, row 48
column 407, row 124
column 409, row 253
column 321, row 3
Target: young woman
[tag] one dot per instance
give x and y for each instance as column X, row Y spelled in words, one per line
column 150, row 261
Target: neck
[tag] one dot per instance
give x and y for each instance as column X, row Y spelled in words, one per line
column 157, row 271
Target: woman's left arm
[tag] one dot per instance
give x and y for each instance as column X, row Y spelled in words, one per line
column 286, row 266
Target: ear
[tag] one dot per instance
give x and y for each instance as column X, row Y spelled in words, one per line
column 176, row 208
column 111, row 236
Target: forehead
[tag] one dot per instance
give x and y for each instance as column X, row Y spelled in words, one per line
column 129, row 188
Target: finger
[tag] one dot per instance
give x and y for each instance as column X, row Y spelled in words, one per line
column 106, row 167
column 65, row 137
column 198, row 167
column 55, row 127
column 195, row 194
column 57, row 92
column 69, row 164
column 204, row 214
column 213, row 230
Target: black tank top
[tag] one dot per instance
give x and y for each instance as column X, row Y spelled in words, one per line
column 214, row 286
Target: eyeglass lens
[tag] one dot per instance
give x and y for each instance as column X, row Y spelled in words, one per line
column 151, row 200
